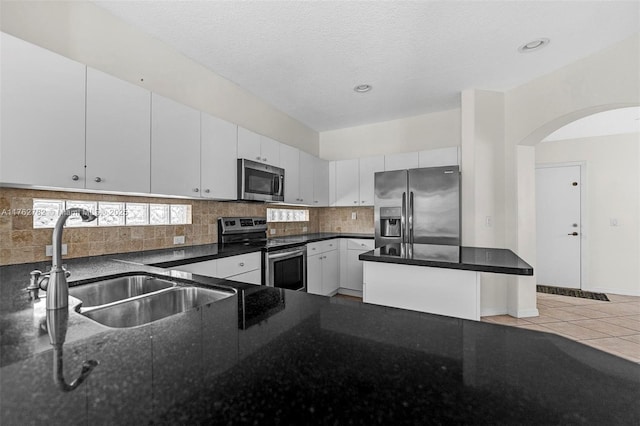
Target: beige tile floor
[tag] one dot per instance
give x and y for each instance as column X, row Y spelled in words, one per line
column 612, row 326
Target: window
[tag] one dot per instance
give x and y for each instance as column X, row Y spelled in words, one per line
column 46, row 213
column 287, row 215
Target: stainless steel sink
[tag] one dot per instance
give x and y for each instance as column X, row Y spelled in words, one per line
column 146, row 309
column 140, row 299
column 115, row 289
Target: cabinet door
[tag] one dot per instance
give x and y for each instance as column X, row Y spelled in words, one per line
column 290, row 161
column 118, row 134
column 401, row 161
column 354, row 270
column 320, row 182
column 314, row 274
column 248, row 144
column 175, row 148
column 347, row 183
column 252, row 277
column 332, row 183
column 330, row 272
column 439, row 157
column 218, row 165
column 368, row 167
column 306, row 178
column 43, row 116
column 270, row 151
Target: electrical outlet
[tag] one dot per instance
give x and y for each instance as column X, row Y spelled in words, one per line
column 272, row 231
column 178, row 239
column 49, row 250
column 304, row 229
column 354, row 215
column 613, row 222
column 488, row 222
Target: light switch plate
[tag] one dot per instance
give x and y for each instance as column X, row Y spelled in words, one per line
column 272, row 231
column 178, row 239
column 49, row 250
column 354, row 216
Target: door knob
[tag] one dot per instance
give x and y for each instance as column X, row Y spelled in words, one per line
column 573, row 234
column 75, row 177
column 98, row 179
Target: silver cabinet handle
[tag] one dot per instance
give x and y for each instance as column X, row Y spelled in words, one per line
column 258, row 158
column 313, row 248
column 196, row 190
column 316, row 202
column 330, row 245
column 355, row 202
column 363, row 202
column 241, row 263
column 264, row 159
column 75, row 177
column 207, row 191
column 98, row 179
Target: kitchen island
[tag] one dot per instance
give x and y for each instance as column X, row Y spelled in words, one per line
column 273, row 356
column 438, row 279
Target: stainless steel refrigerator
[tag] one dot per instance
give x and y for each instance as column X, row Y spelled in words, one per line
column 418, row 206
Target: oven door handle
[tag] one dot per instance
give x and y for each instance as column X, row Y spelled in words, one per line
column 289, row 254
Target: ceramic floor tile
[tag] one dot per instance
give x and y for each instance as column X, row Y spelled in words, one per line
column 535, row 327
column 624, row 322
column 576, row 332
column 553, row 303
column 622, row 308
column 561, row 314
column 605, row 327
column 617, row 346
column 632, row 338
column 623, row 298
column 586, row 311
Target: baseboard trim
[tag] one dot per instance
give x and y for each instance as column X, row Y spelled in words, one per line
column 350, row 292
column 489, row 312
column 525, row 313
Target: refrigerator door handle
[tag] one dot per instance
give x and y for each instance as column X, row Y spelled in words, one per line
column 411, row 217
column 403, row 219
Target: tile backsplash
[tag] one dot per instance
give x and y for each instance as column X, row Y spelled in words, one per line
column 20, row 243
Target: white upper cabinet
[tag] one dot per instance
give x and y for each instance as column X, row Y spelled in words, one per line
column 347, row 183
column 270, row 151
column 118, row 134
column 440, row 157
column 368, row 167
column 175, row 148
column 320, row 182
column 401, row 161
column 255, row 147
column 290, row 161
column 218, row 158
column 306, row 178
column 332, row 183
column 43, row 116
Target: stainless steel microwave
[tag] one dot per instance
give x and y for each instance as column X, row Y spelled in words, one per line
column 259, row 182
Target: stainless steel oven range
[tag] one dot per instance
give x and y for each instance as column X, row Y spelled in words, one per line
column 283, row 266
column 286, row 268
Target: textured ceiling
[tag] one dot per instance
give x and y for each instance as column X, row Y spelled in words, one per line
column 305, row 57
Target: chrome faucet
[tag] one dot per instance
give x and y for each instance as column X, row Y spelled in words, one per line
column 57, row 287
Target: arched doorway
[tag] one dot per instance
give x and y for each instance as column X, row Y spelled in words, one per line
column 588, row 204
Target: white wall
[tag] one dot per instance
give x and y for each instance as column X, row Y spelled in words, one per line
column 88, row 34
column 612, row 191
column 418, row 133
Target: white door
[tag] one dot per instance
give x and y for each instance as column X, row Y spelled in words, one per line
column 559, row 232
column 347, row 183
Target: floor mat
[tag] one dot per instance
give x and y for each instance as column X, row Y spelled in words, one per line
column 573, row 292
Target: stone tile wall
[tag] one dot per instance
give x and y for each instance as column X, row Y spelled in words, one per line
column 20, row 243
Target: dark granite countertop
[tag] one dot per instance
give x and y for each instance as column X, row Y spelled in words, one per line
column 273, row 356
column 479, row 259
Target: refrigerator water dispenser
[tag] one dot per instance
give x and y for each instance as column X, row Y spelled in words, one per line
column 390, row 220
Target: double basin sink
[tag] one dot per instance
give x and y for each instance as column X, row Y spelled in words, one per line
column 140, row 299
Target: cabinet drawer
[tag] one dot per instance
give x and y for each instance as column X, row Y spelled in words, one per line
column 321, row 247
column 235, row 265
column 208, row 268
column 353, row 244
column 252, row 277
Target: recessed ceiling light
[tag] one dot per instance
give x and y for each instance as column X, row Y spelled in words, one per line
column 362, row 88
column 533, row 45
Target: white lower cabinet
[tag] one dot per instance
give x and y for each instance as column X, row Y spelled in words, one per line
column 244, row 268
column 352, row 283
column 323, row 268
